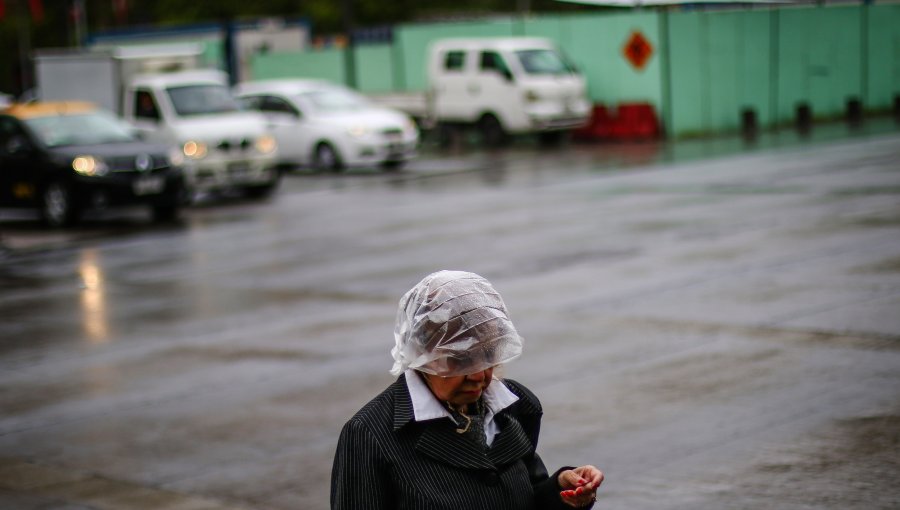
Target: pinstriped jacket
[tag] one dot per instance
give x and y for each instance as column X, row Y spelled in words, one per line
column 385, row 460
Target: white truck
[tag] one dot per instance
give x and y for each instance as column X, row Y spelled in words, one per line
column 501, row 86
column 162, row 92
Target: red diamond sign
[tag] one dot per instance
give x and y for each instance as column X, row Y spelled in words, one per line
column 637, row 50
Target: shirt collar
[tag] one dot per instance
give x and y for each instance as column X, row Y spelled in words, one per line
column 497, row 397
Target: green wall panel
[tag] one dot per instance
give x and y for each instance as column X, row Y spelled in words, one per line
column 717, row 63
column 819, row 60
column 325, row 64
column 738, row 68
column 883, row 63
column 595, row 43
column 686, row 65
column 373, row 65
column 720, row 65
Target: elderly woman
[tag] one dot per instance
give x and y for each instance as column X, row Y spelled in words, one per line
column 447, row 434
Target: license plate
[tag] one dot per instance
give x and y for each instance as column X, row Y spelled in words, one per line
column 239, row 171
column 148, row 185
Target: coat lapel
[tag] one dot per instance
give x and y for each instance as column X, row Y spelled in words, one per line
column 440, row 441
column 511, row 443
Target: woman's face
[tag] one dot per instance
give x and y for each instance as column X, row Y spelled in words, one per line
column 459, row 389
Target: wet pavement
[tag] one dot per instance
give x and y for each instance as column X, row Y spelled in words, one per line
column 714, row 323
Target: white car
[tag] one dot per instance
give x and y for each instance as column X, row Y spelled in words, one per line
column 329, row 126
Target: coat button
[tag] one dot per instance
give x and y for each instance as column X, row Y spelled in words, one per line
column 491, row 478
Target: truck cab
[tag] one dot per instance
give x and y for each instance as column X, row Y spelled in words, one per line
column 223, row 146
column 165, row 94
column 505, row 85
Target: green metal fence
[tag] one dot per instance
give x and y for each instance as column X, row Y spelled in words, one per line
column 707, row 68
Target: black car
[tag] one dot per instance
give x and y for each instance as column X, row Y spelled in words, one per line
column 66, row 157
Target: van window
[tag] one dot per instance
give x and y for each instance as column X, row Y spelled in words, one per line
column 543, row 61
column 492, row 61
column 277, row 105
column 454, row 60
column 145, row 106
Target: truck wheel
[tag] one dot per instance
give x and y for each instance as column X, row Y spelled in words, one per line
column 492, row 132
column 327, row 158
column 448, row 135
column 393, row 165
column 551, row 138
column 58, row 207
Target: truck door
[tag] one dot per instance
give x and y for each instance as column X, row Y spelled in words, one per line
column 497, row 91
column 452, row 97
column 146, row 117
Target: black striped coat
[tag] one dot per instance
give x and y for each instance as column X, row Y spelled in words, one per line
column 385, row 460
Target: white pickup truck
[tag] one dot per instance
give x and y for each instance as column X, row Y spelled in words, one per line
column 193, row 110
column 500, row 86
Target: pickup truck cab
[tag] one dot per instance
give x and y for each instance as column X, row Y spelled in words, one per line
column 223, row 146
column 505, row 85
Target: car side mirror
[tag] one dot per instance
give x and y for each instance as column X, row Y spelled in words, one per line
column 507, row 74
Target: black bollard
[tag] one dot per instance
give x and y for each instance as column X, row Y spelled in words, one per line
column 854, row 111
column 749, row 125
column 897, row 107
column 803, row 118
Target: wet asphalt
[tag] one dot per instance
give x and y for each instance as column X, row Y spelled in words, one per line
column 714, row 323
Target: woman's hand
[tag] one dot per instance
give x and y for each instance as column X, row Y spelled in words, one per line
column 579, row 485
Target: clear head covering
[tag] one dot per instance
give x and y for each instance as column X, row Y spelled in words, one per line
column 453, row 323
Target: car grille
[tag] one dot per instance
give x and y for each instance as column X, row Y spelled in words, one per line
column 229, row 146
column 129, row 163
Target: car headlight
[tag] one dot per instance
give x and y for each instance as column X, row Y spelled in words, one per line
column 176, row 157
column 90, row 166
column 358, row 131
column 266, row 144
column 194, row 150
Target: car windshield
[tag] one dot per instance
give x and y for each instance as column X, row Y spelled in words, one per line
column 201, row 99
column 334, row 100
column 80, row 129
column 544, row 61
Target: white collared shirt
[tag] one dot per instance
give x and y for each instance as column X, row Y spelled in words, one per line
column 496, row 397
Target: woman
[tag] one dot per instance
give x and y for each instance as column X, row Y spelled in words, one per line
column 447, row 434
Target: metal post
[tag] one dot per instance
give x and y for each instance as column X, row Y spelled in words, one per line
column 80, row 14
column 24, row 29
column 349, row 56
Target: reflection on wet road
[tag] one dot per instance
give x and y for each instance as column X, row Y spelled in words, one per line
column 712, row 332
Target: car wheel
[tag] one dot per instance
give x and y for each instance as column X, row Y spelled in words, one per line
column 58, row 207
column 551, row 138
column 165, row 213
column 327, row 158
column 393, row 165
column 264, row 190
column 492, row 132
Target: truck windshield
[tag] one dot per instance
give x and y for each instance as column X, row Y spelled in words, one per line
column 544, row 61
column 334, row 100
column 201, row 99
column 81, row 129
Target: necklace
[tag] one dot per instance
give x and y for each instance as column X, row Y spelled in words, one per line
column 461, row 410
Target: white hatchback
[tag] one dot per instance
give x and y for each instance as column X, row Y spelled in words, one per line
column 328, row 126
